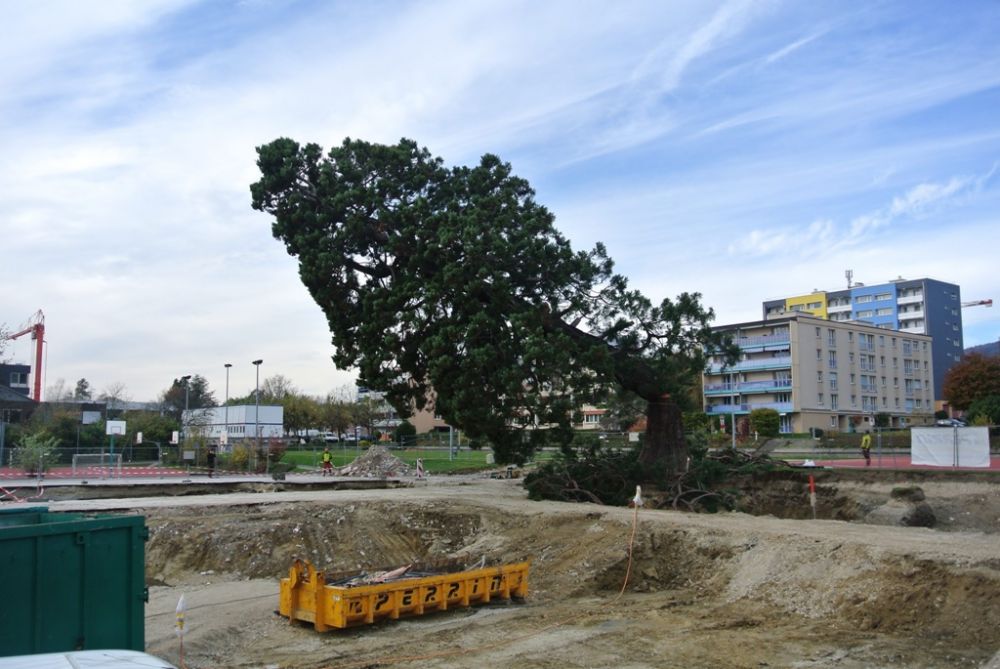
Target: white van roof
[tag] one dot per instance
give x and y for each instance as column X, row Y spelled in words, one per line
column 86, row 659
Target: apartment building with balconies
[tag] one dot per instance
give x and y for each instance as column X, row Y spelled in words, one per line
column 818, row 373
column 921, row 306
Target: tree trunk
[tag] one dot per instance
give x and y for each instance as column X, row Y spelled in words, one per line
column 665, row 445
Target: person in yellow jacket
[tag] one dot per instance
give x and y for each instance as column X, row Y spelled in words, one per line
column 866, row 448
column 327, row 462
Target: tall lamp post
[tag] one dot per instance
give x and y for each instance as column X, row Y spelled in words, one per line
column 256, row 416
column 227, row 366
column 187, row 386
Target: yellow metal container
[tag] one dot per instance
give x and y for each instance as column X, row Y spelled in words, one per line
column 307, row 596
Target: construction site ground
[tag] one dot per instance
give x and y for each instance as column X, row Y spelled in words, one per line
column 703, row 590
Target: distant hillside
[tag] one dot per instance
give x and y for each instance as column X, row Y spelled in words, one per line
column 992, row 348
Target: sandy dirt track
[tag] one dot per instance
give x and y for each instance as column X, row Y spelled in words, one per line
column 725, row 590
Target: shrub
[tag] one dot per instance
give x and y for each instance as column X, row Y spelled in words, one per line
column 987, row 408
column 766, row 422
column 36, row 453
column 404, row 432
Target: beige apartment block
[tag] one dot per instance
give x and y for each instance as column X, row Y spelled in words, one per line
column 831, row 375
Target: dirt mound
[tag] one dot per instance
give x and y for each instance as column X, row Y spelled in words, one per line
column 376, row 462
column 727, row 591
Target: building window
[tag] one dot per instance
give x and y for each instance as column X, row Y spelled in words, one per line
column 819, row 376
column 850, row 337
column 833, row 380
column 833, row 401
column 863, row 298
column 882, row 297
column 819, row 354
column 819, row 399
column 833, row 419
column 833, row 359
column 817, row 333
column 18, row 379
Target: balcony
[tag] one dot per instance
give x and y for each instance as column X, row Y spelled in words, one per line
column 765, row 342
column 911, row 299
column 749, row 387
column 783, row 362
column 781, row 407
column 917, row 329
column 911, row 315
column 839, row 308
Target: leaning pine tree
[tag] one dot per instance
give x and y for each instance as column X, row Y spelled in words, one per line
column 452, row 286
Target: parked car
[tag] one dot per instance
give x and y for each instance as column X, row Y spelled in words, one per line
column 950, row 422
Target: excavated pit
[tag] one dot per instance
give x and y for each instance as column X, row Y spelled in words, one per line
column 733, row 591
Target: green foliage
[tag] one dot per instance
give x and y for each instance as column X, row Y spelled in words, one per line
column 404, row 432
column 974, row 377
column 697, row 421
column 882, row 420
column 239, row 458
column 36, row 453
column 940, row 414
column 191, row 394
column 766, row 422
column 456, row 280
column 985, row 410
column 602, row 476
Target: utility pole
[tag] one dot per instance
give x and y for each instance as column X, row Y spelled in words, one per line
column 256, row 416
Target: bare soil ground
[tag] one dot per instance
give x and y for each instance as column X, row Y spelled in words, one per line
column 723, row 590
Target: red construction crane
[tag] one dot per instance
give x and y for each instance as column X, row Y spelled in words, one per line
column 977, row 303
column 36, row 326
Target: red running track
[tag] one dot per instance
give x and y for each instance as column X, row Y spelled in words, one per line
column 897, row 462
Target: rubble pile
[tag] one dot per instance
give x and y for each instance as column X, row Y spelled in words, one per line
column 376, row 462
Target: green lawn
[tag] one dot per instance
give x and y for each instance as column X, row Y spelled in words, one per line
column 436, row 460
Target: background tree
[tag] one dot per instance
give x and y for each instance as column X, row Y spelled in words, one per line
column 765, row 422
column 82, row 391
column 300, row 412
column 336, row 413
column 974, row 377
column 58, row 392
column 985, row 410
column 116, row 398
column 197, row 393
column 274, row 389
column 457, row 280
column 405, row 433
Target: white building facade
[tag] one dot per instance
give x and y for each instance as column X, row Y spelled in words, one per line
column 831, row 375
column 238, row 422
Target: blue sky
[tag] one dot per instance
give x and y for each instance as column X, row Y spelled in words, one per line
column 745, row 150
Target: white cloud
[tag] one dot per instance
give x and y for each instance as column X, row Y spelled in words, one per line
column 128, row 131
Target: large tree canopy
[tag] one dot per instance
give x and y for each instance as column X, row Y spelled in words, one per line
column 974, row 377
column 452, row 285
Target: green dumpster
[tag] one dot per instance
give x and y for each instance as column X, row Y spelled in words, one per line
column 70, row 581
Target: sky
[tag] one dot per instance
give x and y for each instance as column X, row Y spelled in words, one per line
column 744, row 150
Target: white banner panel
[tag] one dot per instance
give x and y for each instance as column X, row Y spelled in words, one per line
column 973, row 446
column 950, row 446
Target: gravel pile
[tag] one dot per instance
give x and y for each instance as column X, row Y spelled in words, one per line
column 376, row 462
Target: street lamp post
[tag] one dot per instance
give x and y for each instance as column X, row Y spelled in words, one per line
column 187, row 386
column 256, row 416
column 227, row 366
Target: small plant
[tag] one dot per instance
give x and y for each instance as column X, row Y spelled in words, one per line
column 36, row 453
